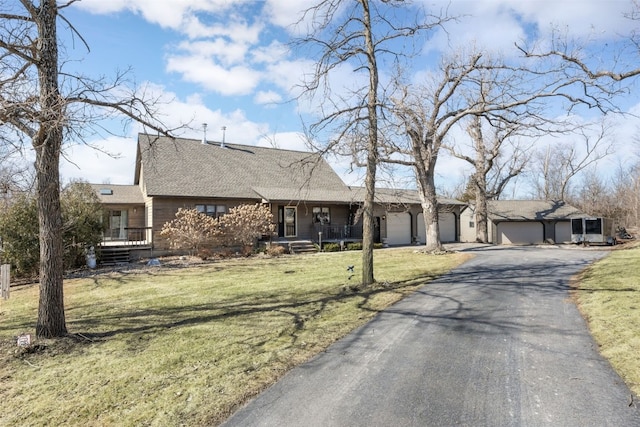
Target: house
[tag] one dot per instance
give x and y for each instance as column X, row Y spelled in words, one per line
column 308, row 199
column 522, row 222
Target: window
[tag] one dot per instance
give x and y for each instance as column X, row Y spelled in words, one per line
column 212, row 210
column 593, row 226
column 106, row 192
column 471, row 224
column 321, row 215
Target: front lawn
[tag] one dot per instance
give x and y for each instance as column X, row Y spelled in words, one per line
column 185, row 346
column 608, row 295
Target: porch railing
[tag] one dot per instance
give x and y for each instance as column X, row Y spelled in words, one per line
column 129, row 236
column 337, row 231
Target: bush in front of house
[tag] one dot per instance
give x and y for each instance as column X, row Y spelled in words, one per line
column 191, row 230
column 244, row 224
column 331, row 247
column 357, row 246
column 275, row 250
column 239, row 228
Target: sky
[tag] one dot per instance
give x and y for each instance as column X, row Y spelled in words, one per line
column 228, row 63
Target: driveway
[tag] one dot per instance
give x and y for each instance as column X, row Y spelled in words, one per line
column 497, row 342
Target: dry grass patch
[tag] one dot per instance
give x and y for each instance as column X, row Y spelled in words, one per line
column 185, row 346
column 608, row 294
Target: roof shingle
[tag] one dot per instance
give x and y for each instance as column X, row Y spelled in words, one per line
column 187, row 167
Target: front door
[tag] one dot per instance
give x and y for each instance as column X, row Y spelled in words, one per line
column 117, row 225
column 290, row 221
column 280, row 221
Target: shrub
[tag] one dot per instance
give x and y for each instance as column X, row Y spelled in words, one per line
column 191, row 230
column 377, row 246
column 354, row 246
column 275, row 250
column 331, row 247
column 239, row 228
column 81, row 221
column 244, row 224
column 20, row 241
column 82, row 216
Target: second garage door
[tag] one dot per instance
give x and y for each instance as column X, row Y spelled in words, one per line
column 563, row 232
column 446, row 225
column 398, row 228
column 520, row 233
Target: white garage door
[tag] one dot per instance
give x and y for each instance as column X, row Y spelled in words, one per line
column 447, row 223
column 520, row 233
column 447, row 226
column 563, row 232
column 398, row 228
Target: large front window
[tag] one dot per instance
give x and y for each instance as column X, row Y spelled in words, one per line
column 212, row 210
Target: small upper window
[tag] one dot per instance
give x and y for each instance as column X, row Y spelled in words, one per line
column 106, row 192
column 471, row 224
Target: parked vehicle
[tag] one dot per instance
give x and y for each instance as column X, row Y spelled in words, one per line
column 593, row 230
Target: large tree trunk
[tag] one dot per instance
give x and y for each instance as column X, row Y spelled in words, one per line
column 47, row 144
column 372, row 151
column 482, row 222
column 425, row 171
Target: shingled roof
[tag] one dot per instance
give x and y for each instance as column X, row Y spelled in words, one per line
column 530, row 210
column 188, row 168
column 392, row 196
column 119, row 194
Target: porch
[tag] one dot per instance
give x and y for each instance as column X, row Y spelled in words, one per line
column 127, row 236
column 127, row 244
column 336, row 233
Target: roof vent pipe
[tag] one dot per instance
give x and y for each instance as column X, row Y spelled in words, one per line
column 204, row 133
column 224, row 130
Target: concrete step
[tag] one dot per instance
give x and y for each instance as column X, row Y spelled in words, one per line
column 302, row 247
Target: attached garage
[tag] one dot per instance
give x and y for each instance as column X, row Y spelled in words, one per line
column 398, row 228
column 520, row 233
column 447, row 226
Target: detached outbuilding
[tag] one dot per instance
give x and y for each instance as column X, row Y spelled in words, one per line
column 522, row 222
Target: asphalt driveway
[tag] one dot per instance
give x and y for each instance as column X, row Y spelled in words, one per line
column 497, row 342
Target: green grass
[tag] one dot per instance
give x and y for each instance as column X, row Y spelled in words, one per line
column 185, row 346
column 608, row 294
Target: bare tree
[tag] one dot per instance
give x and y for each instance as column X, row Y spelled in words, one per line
column 556, row 166
column 491, row 172
column 625, row 194
column 357, row 35
column 15, row 178
column 469, row 85
column 43, row 103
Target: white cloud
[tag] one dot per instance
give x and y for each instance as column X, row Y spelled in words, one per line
column 175, row 14
column 237, row 80
column 267, row 98
column 498, row 24
column 93, row 165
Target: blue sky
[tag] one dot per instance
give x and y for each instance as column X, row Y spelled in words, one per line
column 227, row 63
